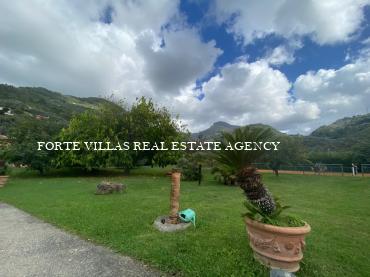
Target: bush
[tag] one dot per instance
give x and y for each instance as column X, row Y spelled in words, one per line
column 2, row 167
column 189, row 168
column 224, row 175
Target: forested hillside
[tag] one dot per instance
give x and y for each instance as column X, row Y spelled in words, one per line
column 343, row 141
column 41, row 104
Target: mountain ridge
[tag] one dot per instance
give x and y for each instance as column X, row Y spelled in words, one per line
column 40, row 103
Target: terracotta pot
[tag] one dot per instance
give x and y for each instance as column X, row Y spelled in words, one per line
column 277, row 247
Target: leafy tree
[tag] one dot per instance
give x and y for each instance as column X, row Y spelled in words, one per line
column 331, row 157
column 153, row 124
column 107, row 124
column 24, row 137
column 361, row 153
column 189, row 166
column 291, row 152
column 144, row 122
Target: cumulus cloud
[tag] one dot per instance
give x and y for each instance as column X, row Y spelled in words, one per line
column 148, row 49
column 338, row 93
column 179, row 62
column 245, row 93
column 280, row 55
column 283, row 54
column 326, row 22
column 65, row 47
column 54, row 45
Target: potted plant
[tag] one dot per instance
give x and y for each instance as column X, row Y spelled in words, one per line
column 276, row 240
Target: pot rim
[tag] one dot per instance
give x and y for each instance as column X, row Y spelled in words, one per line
column 301, row 230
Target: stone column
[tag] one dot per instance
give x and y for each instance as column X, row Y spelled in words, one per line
column 175, row 196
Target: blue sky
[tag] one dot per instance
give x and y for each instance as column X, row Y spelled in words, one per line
column 295, row 65
column 310, row 57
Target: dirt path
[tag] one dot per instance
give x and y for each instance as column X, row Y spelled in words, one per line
column 30, row 247
column 300, row 172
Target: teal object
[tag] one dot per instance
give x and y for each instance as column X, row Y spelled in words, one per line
column 187, row 215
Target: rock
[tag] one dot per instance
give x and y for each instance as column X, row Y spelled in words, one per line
column 108, row 187
column 162, row 223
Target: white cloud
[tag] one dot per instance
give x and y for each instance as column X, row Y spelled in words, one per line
column 338, row 93
column 62, row 46
column 366, row 41
column 280, row 55
column 283, row 54
column 247, row 93
column 326, row 22
column 182, row 59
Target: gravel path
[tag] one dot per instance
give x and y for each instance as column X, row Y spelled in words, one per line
column 31, row 247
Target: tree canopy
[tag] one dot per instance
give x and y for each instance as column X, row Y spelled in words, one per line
column 144, row 121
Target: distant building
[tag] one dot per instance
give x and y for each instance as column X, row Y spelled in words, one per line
column 6, row 111
column 9, row 112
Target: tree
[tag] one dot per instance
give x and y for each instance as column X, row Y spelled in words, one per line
column 23, row 142
column 291, row 151
column 189, row 166
column 153, row 124
column 107, row 124
column 143, row 122
column 361, row 153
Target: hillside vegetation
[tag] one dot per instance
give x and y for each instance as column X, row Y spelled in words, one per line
column 345, row 141
column 40, row 103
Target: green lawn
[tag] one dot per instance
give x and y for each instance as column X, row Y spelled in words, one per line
column 338, row 209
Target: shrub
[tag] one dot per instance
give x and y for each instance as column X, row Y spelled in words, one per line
column 2, row 167
column 189, row 168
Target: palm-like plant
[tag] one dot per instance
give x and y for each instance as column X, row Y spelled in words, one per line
column 237, row 160
column 240, row 163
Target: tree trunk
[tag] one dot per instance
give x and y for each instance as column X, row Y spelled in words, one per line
column 250, row 182
column 175, row 197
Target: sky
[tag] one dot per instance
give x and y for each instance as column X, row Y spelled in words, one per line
column 295, row 65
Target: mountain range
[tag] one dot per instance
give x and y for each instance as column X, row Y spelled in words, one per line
column 342, row 135
column 41, row 103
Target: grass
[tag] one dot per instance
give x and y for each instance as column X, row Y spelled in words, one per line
column 337, row 208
